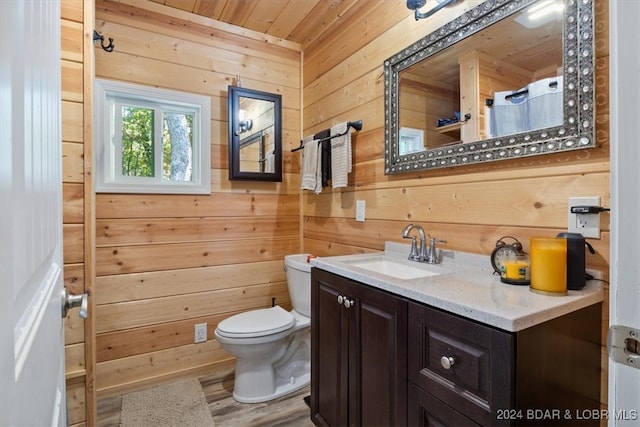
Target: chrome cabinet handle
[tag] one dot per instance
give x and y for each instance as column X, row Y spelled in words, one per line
column 342, row 300
column 447, row 362
column 71, row 301
column 345, row 301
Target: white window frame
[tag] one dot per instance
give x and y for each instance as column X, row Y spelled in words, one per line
column 108, row 161
column 412, row 140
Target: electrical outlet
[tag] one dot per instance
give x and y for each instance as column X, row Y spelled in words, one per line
column 586, row 224
column 200, row 332
column 360, row 206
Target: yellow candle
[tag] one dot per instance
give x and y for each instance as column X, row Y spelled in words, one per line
column 549, row 265
column 516, row 269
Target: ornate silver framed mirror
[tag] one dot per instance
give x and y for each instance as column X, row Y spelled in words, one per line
column 507, row 79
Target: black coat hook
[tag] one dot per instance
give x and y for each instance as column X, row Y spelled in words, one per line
column 97, row 36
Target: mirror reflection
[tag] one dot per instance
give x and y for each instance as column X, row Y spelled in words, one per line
column 256, row 130
column 505, row 79
column 255, row 150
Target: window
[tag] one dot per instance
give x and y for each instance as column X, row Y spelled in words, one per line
column 151, row 140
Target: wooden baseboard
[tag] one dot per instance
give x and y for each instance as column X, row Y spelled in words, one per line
column 220, row 369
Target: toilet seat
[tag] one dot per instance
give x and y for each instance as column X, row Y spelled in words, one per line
column 256, row 323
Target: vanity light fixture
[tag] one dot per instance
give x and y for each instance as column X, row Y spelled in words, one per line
column 545, row 8
column 541, row 13
column 244, row 124
column 417, row 4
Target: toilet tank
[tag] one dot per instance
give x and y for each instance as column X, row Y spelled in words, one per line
column 299, row 282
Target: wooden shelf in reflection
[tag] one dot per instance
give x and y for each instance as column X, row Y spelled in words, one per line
column 449, row 128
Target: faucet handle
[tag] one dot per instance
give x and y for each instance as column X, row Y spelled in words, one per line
column 432, row 256
column 413, row 256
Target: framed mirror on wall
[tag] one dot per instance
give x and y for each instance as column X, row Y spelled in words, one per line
column 255, row 135
column 506, row 79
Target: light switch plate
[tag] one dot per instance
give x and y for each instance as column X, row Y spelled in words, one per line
column 360, row 206
column 586, row 224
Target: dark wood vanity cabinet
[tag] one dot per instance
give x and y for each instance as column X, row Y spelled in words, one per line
column 359, row 359
column 381, row 360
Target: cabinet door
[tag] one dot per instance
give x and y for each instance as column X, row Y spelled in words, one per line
column 329, row 350
column 359, row 358
column 378, row 358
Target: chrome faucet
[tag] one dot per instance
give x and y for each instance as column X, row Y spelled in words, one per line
column 416, row 254
column 421, row 253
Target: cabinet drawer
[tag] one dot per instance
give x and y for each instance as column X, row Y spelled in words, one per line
column 477, row 375
column 425, row 411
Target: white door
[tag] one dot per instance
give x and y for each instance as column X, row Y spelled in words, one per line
column 31, row 280
column 624, row 380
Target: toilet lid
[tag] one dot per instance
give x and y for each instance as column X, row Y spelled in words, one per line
column 256, row 323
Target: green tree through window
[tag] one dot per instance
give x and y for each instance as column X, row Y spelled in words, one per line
column 151, row 140
column 137, row 141
column 177, row 146
column 138, row 144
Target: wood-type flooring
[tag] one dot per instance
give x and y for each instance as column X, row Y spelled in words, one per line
column 287, row 411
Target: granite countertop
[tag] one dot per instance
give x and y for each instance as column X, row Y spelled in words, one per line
column 466, row 286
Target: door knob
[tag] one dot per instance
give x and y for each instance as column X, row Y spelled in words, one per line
column 340, row 299
column 71, row 301
column 348, row 303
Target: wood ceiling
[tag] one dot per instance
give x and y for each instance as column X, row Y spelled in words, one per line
column 299, row 21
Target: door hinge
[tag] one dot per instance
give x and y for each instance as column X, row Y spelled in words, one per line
column 623, row 345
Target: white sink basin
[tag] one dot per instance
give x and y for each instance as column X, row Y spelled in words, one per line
column 392, row 268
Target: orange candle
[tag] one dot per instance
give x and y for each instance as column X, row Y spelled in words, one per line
column 548, row 265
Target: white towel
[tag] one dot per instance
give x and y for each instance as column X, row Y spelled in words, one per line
column 311, row 166
column 340, row 155
column 269, row 162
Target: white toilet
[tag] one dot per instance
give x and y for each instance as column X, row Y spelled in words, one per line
column 272, row 346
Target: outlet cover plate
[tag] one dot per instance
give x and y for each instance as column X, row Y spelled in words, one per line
column 586, row 224
column 200, row 332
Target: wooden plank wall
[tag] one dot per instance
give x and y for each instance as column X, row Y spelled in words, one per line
column 77, row 74
column 470, row 207
column 167, row 262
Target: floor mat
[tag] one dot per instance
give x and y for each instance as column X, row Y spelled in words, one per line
column 180, row 403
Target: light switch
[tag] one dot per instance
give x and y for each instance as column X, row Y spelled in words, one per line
column 360, row 205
